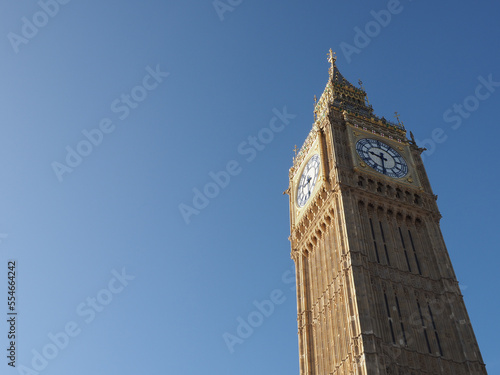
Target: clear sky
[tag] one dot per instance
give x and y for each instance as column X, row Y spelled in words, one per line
column 114, row 112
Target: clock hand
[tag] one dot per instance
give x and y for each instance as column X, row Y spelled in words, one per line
column 306, row 182
column 308, row 187
column 382, row 159
column 381, row 155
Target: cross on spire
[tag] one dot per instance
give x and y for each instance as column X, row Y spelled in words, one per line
column 332, row 57
column 397, row 117
column 295, row 150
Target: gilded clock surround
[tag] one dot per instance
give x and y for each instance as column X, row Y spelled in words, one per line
column 310, row 148
column 308, row 179
column 403, row 148
column 376, row 291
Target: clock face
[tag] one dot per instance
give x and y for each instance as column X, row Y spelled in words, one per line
column 381, row 157
column 308, row 180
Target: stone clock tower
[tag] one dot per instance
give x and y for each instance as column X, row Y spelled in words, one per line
column 376, row 291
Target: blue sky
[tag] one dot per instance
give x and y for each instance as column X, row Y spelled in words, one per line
column 196, row 84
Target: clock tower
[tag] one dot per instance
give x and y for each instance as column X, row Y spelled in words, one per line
column 376, row 290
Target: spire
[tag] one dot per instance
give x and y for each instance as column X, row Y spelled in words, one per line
column 343, row 95
column 335, row 75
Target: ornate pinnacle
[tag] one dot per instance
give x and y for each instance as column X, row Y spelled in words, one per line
column 413, row 138
column 332, row 57
column 315, row 103
column 295, row 150
column 362, row 88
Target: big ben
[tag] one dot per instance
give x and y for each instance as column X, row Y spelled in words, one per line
column 376, row 290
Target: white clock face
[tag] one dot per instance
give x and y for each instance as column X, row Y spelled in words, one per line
column 381, row 157
column 308, row 180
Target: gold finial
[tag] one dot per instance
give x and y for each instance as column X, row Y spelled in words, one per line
column 397, row 117
column 295, row 150
column 332, row 57
column 315, row 101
